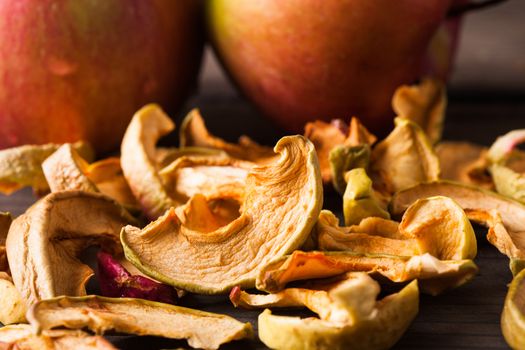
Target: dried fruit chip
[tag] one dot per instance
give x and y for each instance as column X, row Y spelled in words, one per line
column 21, row 337
column 116, row 281
column 424, row 104
column 404, row 159
column 12, row 307
column 344, row 158
column 43, row 244
column 435, row 275
column 464, row 162
column 350, row 318
column 138, row 160
column 359, row 199
column 136, row 316
column 513, row 316
column 358, row 134
column 282, row 202
column 165, row 156
column 22, row 166
column 193, row 132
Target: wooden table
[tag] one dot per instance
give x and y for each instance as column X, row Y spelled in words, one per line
column 465, row 318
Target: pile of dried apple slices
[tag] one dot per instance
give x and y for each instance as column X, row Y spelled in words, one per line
column 212, row 217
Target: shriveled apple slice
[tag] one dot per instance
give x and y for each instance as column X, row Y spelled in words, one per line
column 22, row 166
column 138, row 160
column 435, row 275
column 350, row 317
column 464, row 162
column 425, row 104
column 193, row 132
column 12, row 307
column 210, row 176
column 166, row 155
column 21, row 337
column 508, row 181
column 359, row 199
column 513, row 316
column 43, row 244
column 344, row 158
column 136, row 316
column 282, row 202
column 404, row 159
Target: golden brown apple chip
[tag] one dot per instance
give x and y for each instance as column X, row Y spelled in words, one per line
column 137, row 316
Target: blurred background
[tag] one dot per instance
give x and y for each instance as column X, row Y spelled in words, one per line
column 488, row 80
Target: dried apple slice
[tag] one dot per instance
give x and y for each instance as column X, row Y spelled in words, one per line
column 513, row 316
column 404, row 159
column 282, row 202
column 344, row 158
column 464, row 162
column 434, row 275
column 22, row 166
column 12, row 307
column 43, row 244
column 508, row 181
column 355, row 320
column 138, row 160
column 193, row 132
column 425, row 104
column 21, row 337
column 359, row 199
column 136, row 316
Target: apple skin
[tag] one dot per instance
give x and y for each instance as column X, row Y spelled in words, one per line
column 301, row 60
column 79, row 69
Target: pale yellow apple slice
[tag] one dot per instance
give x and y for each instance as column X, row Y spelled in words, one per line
column 282, row 202
column 136, row 316
column 22, row 337
column 349, row 318
column 513, row 316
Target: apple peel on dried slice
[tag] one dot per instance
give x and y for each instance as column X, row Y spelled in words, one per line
column 425, row 104
column 22, row 166
column 44, row 243
column 282, row 202
column 193, row 133
column 403, row 159
column 513, row 315
column 344, row 158
column 350, row 317
column 137, row 316
column 22, row 337
column 434, row 275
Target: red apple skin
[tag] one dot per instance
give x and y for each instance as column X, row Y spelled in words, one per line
column 301, row 60
column 79, row 69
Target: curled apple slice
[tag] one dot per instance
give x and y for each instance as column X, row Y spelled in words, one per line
column 434, row 275
column 464, row 162
column 403, row 159
column 136, row 316
column 12, row 306
column 44, row 243
column 344, row 158
column 21, row 337
column 282, row 202
column 513, row 316
column 350, row 317
column 359, row 199
column 193, row 132
column 424, row 104
column 22, row 166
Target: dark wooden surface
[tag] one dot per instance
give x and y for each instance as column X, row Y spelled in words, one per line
column 465, row 318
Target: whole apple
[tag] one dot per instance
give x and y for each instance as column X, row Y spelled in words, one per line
column 300, row 60
column 79, row 69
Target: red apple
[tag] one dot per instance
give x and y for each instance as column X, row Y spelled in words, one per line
column 79, row 69
column 300, row 60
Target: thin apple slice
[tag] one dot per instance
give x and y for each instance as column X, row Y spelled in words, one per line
column 513, row 316
column 136, row 316
column 425, row 104
column 22, row 166
column 434, row 275
column 404, row 159
column 22, row 337
column 12, row 306
column 44, row 243
column 349, row 318
column 282, row 202
column 343, row 158
column 193, row 132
